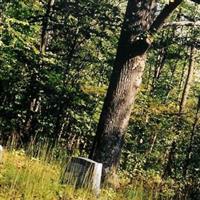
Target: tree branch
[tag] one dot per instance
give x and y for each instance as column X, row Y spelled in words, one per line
column 196, row 1
column 164, row 14
column 182, row 23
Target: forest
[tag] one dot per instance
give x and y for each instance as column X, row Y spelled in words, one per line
column 116, row 81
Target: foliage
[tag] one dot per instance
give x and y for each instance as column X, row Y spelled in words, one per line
column 57, row 96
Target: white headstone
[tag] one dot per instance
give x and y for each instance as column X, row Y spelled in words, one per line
column 1, row 154
column 83, row 172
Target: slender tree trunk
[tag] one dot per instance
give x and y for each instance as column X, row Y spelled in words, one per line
column 45, row 23
column 170, row 161
column 183, row 74
column 188, row 81
column 30, row 124
column 1, row 19
column 189, row 149
column 153, row 141
column 158, row 68
column 171, row 81
column 181, row 82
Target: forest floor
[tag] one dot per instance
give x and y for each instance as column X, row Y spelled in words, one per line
column 26, row 178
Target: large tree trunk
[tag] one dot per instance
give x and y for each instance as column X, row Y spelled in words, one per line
column 116, row 112
column 125, row 80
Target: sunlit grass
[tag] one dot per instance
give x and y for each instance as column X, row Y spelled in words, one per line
column 26, row 178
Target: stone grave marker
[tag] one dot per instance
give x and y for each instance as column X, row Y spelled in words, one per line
column 83, row 173
column 1, row 154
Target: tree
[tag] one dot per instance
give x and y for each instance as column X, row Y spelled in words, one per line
column 28, row 131
column 187, row 81
column 44, row 93
column 139, row 25
column 191, row 141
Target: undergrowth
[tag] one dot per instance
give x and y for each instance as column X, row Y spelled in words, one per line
column 24, row 177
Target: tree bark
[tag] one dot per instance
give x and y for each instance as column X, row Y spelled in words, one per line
column 125, row 80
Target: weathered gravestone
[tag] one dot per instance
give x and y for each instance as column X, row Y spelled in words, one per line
column 1, row 154
column 83, row 172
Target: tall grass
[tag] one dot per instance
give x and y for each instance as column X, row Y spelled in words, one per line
column 36, row 174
